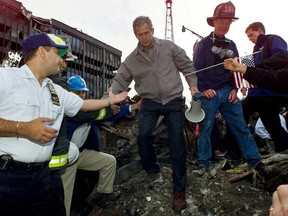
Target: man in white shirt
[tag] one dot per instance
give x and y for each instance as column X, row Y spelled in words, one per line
column 261, row 131
column 31, row 112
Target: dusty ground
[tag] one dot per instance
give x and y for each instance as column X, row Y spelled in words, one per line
column 205, row 196
column 210, row 195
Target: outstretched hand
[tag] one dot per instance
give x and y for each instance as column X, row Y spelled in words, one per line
column 114, row 99
column 234, row 65
column 115, row 109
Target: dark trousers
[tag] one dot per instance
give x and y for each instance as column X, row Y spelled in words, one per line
column 174, row 120
column 57, row 193
column 25, row 193
column 268, row 109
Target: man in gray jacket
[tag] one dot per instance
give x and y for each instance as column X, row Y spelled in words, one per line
column 154, row 66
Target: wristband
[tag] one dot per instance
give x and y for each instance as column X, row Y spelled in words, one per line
column 17, row 128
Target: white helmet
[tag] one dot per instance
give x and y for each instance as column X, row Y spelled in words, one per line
column 73, row 153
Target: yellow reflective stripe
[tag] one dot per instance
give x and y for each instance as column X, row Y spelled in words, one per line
column 58, row 161
column 102, row 114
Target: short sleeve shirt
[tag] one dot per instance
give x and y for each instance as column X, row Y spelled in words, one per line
column 22, row 98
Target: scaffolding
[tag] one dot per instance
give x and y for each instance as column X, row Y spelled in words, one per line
column 169, row 35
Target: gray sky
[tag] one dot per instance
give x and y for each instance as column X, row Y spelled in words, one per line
column 110, row 21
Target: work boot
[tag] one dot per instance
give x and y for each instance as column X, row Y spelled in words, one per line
column 102, row 199
column 260, row 168
column 179, row 201
column 270, row 170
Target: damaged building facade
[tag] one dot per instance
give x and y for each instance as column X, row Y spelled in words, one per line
column 97, row 62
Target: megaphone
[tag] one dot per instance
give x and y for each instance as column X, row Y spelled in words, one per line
column 195, row 114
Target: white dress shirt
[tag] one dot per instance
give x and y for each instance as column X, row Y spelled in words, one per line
column 261, row 131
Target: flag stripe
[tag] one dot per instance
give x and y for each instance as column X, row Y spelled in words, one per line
column 238, row 77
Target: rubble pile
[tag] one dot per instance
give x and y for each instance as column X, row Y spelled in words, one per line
column 229, row 189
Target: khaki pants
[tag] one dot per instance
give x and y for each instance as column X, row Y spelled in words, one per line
column 93, row 161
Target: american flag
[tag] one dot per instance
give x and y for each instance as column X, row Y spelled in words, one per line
column 238, row 77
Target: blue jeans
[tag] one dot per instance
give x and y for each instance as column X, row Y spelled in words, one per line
column 233, row 114
column 174, row 119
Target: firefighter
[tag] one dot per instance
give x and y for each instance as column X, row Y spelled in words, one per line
column 85, row 134
column 66, row 153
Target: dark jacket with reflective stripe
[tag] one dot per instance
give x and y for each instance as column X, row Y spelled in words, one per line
column 93, row 139
column 59, row 157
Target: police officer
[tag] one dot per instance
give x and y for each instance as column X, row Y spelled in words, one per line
column 31, row 112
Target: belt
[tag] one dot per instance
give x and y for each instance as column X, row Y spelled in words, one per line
column 28, row 166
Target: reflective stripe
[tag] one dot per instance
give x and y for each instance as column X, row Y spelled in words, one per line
column 102, row 114
column 58, row 161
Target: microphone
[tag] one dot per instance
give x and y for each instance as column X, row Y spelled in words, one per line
column 183, row 28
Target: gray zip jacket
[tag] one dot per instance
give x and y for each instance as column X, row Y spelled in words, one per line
column 158, row 80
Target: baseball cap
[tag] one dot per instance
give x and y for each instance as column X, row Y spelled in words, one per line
column 69, row 56
column 42, row 39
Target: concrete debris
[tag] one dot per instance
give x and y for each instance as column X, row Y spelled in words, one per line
column 209, row 195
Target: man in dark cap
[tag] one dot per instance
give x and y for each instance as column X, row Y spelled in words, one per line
column 31, row 112
column 219, row 91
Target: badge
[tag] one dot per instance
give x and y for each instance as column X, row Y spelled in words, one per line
column 54, row 96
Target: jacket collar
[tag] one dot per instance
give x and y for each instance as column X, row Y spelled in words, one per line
column 156, row 42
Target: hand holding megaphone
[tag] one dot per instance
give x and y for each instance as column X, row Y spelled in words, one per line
column 195, row 114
